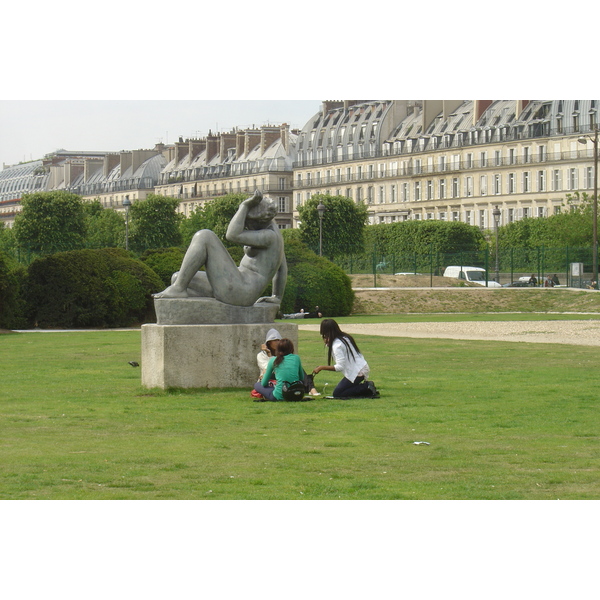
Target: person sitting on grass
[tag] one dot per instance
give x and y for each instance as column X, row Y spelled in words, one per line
column 348, row 360
column 284, row 366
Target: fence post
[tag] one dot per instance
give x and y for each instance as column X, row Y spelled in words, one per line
column 512, row 264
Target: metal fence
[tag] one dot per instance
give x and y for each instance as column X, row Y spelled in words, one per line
column 512, row 264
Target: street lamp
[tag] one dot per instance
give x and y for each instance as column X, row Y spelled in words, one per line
column 496, row 213
column 583, row 140
column 321, row 210
column 127, row 204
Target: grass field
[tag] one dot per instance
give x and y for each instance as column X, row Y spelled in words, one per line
column 503, row 420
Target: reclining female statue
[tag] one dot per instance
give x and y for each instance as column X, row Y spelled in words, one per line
column 263, row 261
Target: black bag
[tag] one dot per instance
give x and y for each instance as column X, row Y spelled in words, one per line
column 293, row 392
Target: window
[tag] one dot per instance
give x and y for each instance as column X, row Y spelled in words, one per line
column 483, row 185
column 338, row 174
column 405, row 192
column 298, row 200
column 349, row 193
column 541, row 181
column 381, row 194
column 469, row 161
column 511, row 183
column 417, row 191
column 282, row 204
column 556, row 180
column 572, row 179
column 370, row 194
column 526, row 155
column 359, row 173
column 359, row 194
column 526, row 182
column 393, row 196
column 526, row 213
column 541, row 153
column 455, row 162
column 511, row 215
column 417, row 166
column 455, row 216
column 588, row 177
column 349, row 174
column 483, row 159
column 371, row 170
column 442, row 163
column 442, row 216
column 482, row 218
column 468, row 217
column 455, row 193
column 540, row 211
column 429, row 190
column 469, row 186
column 498, row 158
column 497, row 185
column 442, row 189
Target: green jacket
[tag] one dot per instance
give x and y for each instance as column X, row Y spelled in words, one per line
column 290, row 370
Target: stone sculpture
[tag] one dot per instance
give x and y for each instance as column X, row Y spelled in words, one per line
column 239, row 286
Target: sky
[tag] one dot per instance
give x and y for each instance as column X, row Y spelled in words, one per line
column 29, row 129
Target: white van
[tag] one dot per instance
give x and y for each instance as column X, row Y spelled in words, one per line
column 471, row 274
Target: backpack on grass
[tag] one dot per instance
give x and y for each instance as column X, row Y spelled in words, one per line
column 293, row 392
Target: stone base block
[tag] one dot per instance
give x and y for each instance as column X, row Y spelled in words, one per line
column 205, row 356
column 201, row 311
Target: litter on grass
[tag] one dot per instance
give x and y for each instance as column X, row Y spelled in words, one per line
column 421, row 443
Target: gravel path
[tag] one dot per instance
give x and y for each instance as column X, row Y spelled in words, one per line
column 582, row 333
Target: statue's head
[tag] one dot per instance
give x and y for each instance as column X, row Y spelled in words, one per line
column 260, row 216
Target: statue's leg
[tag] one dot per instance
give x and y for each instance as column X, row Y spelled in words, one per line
column 205, row 249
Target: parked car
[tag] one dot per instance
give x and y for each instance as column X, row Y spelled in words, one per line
column 471, row 274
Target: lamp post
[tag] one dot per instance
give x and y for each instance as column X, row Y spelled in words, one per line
column 583, row 140
column 127, row 204
column 321, row 210
column 496, row 213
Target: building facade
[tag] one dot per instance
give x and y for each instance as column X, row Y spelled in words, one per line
column 449, row 160
column 240, row 161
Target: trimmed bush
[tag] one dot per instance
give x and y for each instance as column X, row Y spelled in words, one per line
column 164, row 262
column 12, row 276
column 314, row 281
column 90, row 288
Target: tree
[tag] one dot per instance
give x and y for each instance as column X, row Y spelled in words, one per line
column 214, row 215
column 154, row 223
column 51, row 222
column 343, row 225
column 105, row 226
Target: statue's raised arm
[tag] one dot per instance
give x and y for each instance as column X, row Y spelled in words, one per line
column 263, row 261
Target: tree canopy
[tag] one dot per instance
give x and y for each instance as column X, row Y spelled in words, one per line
column 343, row 225
column 154, row 223
column 51, row 222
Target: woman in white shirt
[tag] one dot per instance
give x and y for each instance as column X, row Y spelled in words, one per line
column 348, row 360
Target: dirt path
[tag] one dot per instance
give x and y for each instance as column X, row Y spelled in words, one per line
column 582, row 333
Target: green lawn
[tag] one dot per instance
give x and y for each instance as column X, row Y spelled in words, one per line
column 504, row 421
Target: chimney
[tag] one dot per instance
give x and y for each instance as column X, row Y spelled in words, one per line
column 284, row 134
column 109, row 163
column 521, row 104
column 181, row 150
column 240, row 137
column 196, row 147
column 479, row 107
column 125, row 158
column 212, row 146
column 268, row 135
column 251, row 139
column 228, row 140
column 330, row 105
column 91, row 166
column 72, row 171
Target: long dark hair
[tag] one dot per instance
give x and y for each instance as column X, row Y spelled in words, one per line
column 330, row 331
column 284, row 347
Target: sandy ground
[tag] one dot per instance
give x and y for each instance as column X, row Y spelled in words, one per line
column 581, row 333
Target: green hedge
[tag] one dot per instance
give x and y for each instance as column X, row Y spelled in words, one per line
column 90, row 288
column 314, row 281
column 12, row 276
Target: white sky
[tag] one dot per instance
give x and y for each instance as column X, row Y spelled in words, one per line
column 29, row 129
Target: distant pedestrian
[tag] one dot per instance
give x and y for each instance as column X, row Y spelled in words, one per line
column 532, row 280
column 555, row 279
column 549, row 282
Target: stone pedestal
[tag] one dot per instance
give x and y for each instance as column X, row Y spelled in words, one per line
column 205, row 355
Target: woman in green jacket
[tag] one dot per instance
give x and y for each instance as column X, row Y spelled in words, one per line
column 284, row 366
